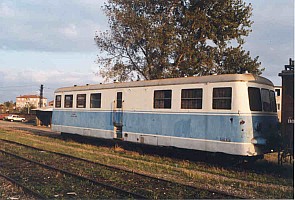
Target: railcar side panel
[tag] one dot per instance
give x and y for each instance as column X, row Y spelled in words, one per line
column 234, row 130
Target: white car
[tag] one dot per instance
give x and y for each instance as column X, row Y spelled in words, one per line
column 15, row 118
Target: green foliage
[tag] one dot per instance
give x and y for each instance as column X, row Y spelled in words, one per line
column 175, row 38
column 27, row 109
column 7, row 107
column 9, row 104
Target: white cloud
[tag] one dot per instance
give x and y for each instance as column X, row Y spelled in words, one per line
column 50, row 26
column 70, row 31
column 17, row 80
column 50, row 42
column 6, row 10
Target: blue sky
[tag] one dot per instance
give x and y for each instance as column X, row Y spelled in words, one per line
column 51, row 42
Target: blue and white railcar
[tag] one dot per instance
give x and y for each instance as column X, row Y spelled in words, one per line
column 233, row 114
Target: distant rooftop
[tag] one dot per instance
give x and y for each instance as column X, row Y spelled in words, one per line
column 30, row 96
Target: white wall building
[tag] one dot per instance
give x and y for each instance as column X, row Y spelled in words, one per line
column 278, row 91
column 30, row 100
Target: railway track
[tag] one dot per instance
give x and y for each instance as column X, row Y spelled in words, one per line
column 31, row 194
column 227, row 186
column 22, row 171
column 145, row 185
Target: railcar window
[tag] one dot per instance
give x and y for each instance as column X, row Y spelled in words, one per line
column 162, row 99
column 95, row 100
column 222, row 98
column 265, row 96
column 119, row 100
column 191, row 98
column 254, row 99
column 68, row 101
column 272, row 101
column 58, row 101
column 81, row 101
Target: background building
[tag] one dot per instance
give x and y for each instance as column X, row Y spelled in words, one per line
column 278, row 91
column 29, row 101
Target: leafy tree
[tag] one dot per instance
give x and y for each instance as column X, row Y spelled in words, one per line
column 156, row 39
column 8, row 106
column 27, row 109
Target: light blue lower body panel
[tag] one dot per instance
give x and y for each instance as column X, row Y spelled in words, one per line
column 217, row 133
column 209, row 127
column 212, row 127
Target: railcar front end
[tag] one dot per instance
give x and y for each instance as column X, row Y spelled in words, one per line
column 260, row 123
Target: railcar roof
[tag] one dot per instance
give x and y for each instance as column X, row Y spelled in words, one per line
column 173, row 81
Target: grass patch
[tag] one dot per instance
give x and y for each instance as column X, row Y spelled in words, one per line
column 245, row 182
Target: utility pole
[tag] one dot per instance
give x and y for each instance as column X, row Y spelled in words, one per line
column 41, row 97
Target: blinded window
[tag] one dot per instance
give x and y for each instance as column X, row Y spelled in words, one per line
column 222, row 98
column 58, row 101
column 68, row 101
column 191, row 98
column 162, row 99
column 81, row 100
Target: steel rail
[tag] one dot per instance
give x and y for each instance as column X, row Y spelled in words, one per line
column 126, row 170
column 75, row 175
column 24, row 188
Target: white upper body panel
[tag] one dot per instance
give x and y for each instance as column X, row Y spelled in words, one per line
column 138, row 96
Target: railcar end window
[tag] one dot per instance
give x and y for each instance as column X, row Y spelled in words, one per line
column 68, row 101
column 222, row 98
column 162, row 99
column 254, row 99
column 272, row 97
column 191, row 98
column 58, row 101
column 95, row 100
column 266, row 103
column 81, row 101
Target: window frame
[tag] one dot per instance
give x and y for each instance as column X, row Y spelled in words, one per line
column 273, row 103
column 264, row 98
column 68, row 103
column 163, row 102
column 95, row 100
column 194, row 101
column 217, row 100
column 278, row 92
column 119, row 102
column 78, row 101
column 259, row 100
column 57, row 102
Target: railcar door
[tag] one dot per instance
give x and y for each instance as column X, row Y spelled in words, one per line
column 118, row 115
